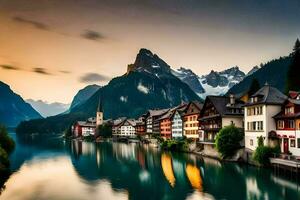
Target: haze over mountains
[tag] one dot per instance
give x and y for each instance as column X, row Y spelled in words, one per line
column 48, row 109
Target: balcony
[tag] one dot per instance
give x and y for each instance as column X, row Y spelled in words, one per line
column 210, row 127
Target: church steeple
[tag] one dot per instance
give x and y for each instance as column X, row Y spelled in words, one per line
column 99, row 113
column 100, row 108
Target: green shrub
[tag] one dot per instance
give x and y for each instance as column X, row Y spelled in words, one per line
column 263, row 153
column 260, row 141
column 228, row 140
column 6, row 142
column 175, row 145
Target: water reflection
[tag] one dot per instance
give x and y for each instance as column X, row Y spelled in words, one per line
column 83, row 170
column 167, row 167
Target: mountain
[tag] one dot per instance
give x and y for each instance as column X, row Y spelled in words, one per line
column 274, row 73
column 147, row 84
column 48, row 109
column 13, row 109
column 214, row 83
column 254, row 69
column 83, row 95
column 190, row 78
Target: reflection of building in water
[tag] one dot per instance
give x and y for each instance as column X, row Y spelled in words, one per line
column 124, row 151
column 166, row 164
column 194, row 176
column 141, row 157
column 82, row 148
column 253, row 192
column 179, row 170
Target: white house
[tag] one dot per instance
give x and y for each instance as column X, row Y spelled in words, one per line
column 258, row 115
column 177, row 125
column 128, row 128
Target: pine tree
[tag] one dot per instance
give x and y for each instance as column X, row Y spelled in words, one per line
column 254, row 87
column 293, row 80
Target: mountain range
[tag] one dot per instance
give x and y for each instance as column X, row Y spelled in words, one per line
column 48, row 109
column 151, row 83
column 214, row 83
column 13, row 109
column 147, row 84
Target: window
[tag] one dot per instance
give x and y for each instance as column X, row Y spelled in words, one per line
column 291, row 124
column 289, row 110
column 298, row 142
column 251, row 142
column 280, row 124
column 292, row 143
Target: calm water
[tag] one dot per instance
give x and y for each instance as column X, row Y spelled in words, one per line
column 80, row 170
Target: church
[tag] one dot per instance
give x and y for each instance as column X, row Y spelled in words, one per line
column 88, row 127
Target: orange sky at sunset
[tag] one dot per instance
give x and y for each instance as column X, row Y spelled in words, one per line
column 49, row 35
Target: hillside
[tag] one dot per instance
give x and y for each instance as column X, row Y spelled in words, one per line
column 13, row 109
column 273, row 72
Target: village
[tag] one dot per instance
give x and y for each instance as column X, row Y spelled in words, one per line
column 267, row 113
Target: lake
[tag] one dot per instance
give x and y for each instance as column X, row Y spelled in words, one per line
column 53, row 168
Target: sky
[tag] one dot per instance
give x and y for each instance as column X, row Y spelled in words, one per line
column 49, row 49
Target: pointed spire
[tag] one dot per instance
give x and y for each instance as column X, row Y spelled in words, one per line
column 100, row 109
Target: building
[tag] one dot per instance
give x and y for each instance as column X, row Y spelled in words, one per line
column 116, row 126
column 152, row 122
column 140, row 126
column 218, row 112
column 84, row 128
column 288, row 125
column 99, row 114
column 258, row 115
column 165, row 124
column 177, row 122
column 128, row 128
column 190, row 120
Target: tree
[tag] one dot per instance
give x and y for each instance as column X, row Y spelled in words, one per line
column 104, row 130
column 293, row 81
column 254, row 87
column 228, row 140
column 6, row 142
column 263, row 153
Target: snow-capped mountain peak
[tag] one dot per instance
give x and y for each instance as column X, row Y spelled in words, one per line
column 214, row 83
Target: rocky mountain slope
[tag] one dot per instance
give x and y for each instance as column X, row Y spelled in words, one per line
column 83, row 95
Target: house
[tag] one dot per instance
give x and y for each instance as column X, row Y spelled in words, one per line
column 116, row 126
column 84, row 128
column 218, row 112
column 177, row 122
column 165, row 124
column 140, row 126
column 190, row 120
column 288, row 125
column 258, row 115
column 128, row 128
column 152, row 122
column 89, row 127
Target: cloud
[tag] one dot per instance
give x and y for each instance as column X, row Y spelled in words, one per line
column 92, row 35
column 41, row 71
column 35, row 24
column 93, row 77
column 64, row 72
column 9, row 67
